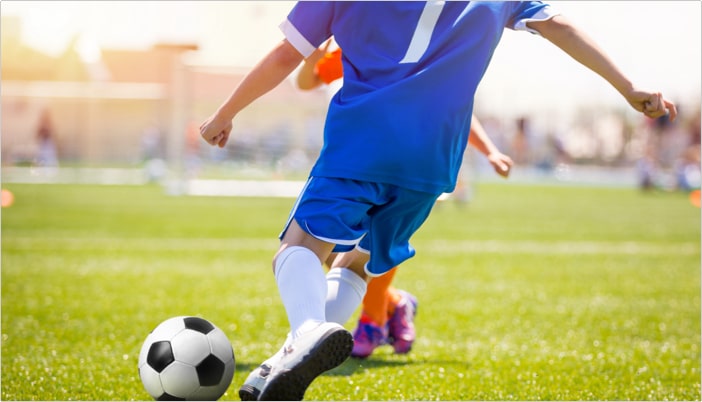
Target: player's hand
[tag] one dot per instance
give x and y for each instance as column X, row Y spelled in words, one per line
column 216, row 130
column 652, row 104
column 501, row 163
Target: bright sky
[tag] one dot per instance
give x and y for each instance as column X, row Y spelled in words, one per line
column 657, row 43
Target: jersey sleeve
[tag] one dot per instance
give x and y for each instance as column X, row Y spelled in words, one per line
column 308, row 25
column 531, row 11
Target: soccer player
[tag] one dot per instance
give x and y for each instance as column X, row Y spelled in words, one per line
column 394, row 139
column 387, row 314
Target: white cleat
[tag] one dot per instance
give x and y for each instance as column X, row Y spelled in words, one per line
column 257, row 378
column 303, row 360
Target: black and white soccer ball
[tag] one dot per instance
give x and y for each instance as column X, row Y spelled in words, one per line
column 186, row 358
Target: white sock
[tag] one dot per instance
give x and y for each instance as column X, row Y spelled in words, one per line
column 302, row 287
column 345, row 291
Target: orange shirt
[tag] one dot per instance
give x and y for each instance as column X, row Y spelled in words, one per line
column 329, row 67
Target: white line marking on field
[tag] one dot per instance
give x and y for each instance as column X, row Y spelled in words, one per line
column 433, row 246
column 559, row 247
column 245, row 188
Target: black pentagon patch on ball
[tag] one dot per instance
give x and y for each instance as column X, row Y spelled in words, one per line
column 198, row 324
column 168, row 397
column 210, row 371
column 160, row 355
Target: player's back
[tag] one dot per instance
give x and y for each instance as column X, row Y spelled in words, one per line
column 410, row 73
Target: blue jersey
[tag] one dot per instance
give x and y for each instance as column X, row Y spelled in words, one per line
column 411, row 70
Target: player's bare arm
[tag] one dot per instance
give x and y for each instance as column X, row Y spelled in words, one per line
column 308, row 78
column 572, row 40
column 480, row 140
column 265, row 76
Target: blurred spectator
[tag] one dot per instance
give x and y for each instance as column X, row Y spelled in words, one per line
column 520, row 142
column 551, row 153
column 687, row 169
column 152, row 156
column 193, row 162
column 647, row 169
column 695, row 129
column 46, row 152
column 151, row 143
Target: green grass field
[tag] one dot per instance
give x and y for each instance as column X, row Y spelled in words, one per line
column 527, row 293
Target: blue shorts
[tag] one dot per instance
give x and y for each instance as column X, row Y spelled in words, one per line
column 376, row 218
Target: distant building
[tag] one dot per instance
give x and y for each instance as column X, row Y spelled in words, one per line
column 101, row 108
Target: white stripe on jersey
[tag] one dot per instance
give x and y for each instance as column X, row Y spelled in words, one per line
column 422, row 33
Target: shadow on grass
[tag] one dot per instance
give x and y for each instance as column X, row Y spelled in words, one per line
column 349, row 367
column 352, row 365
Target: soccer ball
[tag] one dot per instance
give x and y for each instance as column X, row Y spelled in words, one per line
column 186, row 358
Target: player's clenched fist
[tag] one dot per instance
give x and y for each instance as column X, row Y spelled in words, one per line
column 651, row 104
column 216, row 130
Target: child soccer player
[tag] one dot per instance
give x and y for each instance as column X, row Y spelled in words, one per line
column 387, row 314
column 394, row 139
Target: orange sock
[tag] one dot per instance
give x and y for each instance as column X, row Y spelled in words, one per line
column 375, row 303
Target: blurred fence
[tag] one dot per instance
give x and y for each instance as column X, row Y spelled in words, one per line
column 134, row 132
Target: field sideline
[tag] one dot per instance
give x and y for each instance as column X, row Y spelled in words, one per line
column 526, row 293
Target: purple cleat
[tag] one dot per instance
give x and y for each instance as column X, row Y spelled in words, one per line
column 401, row 332
column 366, row 337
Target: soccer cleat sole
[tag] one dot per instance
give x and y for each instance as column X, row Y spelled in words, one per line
column 248, row 393
column 332, row 350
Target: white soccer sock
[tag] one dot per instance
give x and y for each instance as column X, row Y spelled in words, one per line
column 345, row 291
column 302, row 287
